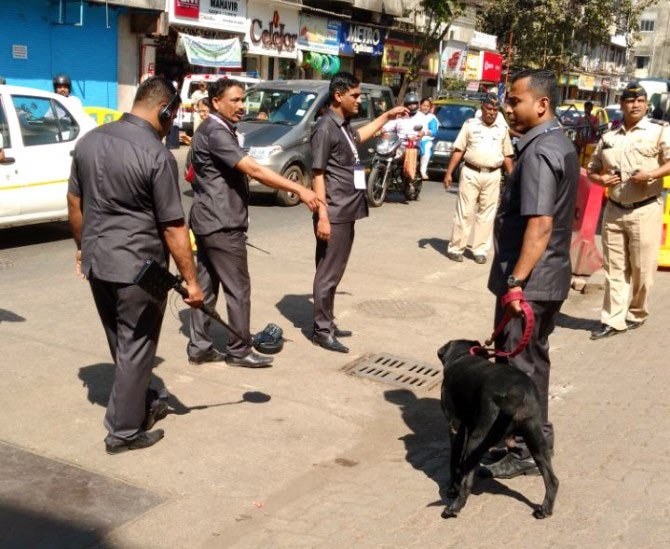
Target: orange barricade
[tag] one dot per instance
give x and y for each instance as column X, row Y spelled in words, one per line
column 584, row 254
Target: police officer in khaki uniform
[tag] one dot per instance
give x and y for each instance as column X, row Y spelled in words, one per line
column 630, row 161
column 485, row 146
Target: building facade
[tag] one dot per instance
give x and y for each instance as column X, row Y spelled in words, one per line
column 650, row 55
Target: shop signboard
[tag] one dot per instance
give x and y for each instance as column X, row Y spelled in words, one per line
column 453, row 59
column 319, row 34
column 208, row 52
column 398, row 56
column 586, row 82
column 472, row 86
column 472, row 66
column 187, row 8
column 483, row 40
column 491, row 66
column 225, row 15
column 361, row 40
column 272, row 29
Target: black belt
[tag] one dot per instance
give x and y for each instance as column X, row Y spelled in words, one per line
column 634, row 205
column 478, row 169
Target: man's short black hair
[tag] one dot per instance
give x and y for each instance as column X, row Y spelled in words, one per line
column 342, row 82
column 155, row 90
column 542, row 82
column 219, row 87
column 588, row 104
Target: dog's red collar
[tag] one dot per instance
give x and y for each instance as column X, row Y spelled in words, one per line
column 527, row 331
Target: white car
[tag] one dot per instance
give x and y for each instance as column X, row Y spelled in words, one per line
column 38, row 131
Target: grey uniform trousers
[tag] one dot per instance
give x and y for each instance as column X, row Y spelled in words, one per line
column 222, row 260
column 534, row 359
column 331, row 262
column 132, row 321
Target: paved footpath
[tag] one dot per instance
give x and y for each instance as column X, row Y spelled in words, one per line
column 302, row 454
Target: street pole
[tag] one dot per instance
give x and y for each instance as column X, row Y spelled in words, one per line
column 439, row 69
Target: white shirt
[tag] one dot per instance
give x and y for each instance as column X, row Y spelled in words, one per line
column 404, row 127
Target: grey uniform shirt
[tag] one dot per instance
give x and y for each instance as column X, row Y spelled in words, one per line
column 331, row 152
column 544, row 182
column 221, row 191
column 128, row 183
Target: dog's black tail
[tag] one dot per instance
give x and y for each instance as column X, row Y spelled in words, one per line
column 511, row 402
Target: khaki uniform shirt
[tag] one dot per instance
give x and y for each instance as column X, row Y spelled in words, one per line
column 646, row 146
column 484, row 146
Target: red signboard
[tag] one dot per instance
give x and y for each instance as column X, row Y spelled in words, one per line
column 187, row 8
column 491, row 64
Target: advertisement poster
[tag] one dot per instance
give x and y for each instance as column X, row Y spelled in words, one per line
column 472, row 66
column 491, row 64
column 319, row 34
column 224, row 14
column 453, row 59
column 207, row 52
column 187, row 8
column 361, row 39
column 398, row 55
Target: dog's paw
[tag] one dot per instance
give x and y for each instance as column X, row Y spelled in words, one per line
column 541, row 513
column 449, row 513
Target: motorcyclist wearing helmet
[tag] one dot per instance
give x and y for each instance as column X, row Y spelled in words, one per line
column 405, row 127
column 63, row 86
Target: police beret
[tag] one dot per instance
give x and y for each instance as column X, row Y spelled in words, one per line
column 633, row 90
column 491, row 99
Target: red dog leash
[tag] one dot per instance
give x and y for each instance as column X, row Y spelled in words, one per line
column 527, row 331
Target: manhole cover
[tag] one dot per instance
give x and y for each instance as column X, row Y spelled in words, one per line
column 391, row 308
column 4, row 264
column 395, row 370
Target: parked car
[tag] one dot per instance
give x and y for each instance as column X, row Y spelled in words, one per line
column 39, row 130
column 451, row 114
column 279, row 121
column 190, row 84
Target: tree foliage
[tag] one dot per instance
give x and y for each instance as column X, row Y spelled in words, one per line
column 546, row 33
column 438, row 16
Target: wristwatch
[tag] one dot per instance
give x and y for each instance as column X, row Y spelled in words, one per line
column 513, row 282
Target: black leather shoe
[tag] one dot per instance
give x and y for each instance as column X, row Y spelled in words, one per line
column 633, row 325
column 329, row 342
column 211, row 356
column 605, row 331
column 143, row 440
column 480, row 259
column 341, row 333
column 252, row 360
column 158, row 411
column 455, row 256
column 509, row 467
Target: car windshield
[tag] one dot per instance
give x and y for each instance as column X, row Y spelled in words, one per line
column 277, row 106
column 452, row 117
column 614, row 114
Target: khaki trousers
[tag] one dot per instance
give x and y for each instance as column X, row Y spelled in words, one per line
column 631, row 239
column 478, row 194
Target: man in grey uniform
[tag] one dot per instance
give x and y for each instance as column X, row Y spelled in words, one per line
column 339, row 180
column 532, row 240
column 219, row 219
column 125, row 207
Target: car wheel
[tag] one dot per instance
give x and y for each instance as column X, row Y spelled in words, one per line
column 285, row 198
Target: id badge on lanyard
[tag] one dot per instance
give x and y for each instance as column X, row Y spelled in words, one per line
column 359, row 169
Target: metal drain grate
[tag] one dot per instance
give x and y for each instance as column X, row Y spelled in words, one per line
column 395, row 370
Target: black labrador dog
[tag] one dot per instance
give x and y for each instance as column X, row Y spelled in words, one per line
column 484, row 403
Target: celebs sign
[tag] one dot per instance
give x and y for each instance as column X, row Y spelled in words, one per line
column 272, row 30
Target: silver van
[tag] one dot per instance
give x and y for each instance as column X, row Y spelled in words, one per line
column 279, row 121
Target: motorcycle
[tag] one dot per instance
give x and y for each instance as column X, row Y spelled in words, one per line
column 388, row 174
